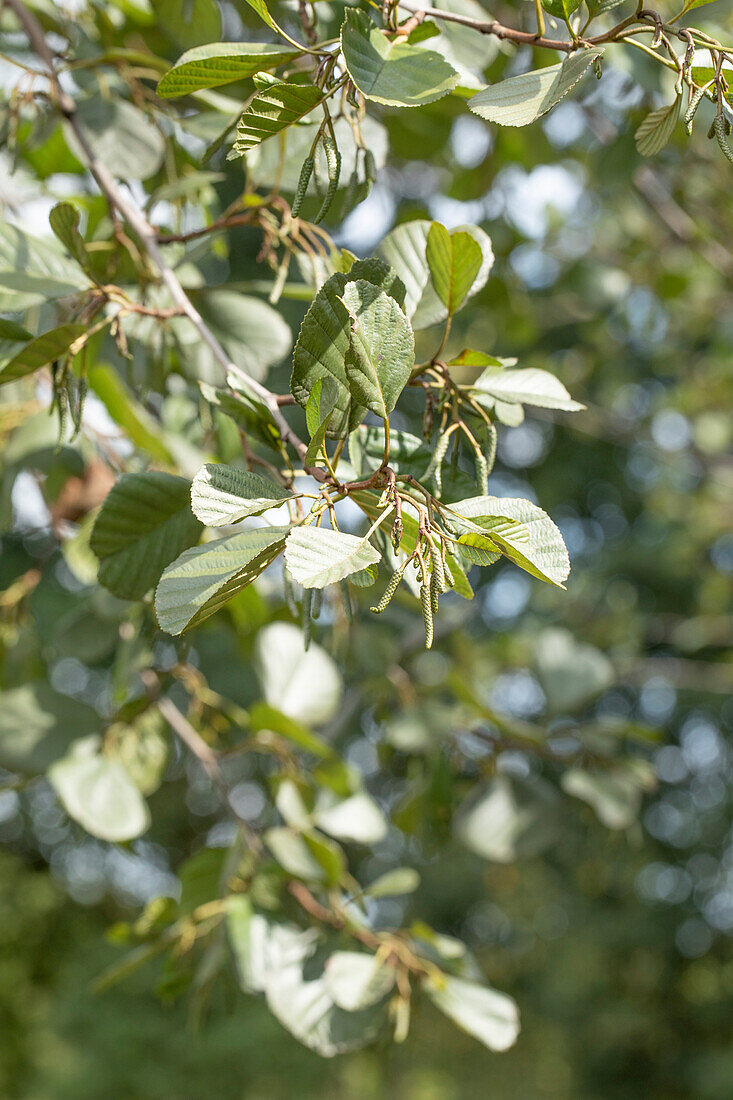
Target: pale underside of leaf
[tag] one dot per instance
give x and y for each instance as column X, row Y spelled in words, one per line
column 223, row 494
column 277, row 105
column 204, row 578
column 544, row 554
column 520, row 100
column 657, row 128
column 529, row 386
column 319, row 556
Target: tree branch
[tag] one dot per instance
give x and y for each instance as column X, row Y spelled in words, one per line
column 146, row 233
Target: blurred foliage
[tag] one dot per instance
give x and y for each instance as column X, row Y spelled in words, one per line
column 612, row 272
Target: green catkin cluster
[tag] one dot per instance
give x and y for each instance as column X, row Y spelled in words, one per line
column 427, row 613
column 307, row 617
column 333, row 164
column 316, row 603
column 437, row 578
column 720, row 129
column 370, row 166
column 491, row 448
column 482, row 470
column 392, row 585
column 439, row 454
column 303, row 180
column 346, row 600
column 289, row 594
column 695, row 100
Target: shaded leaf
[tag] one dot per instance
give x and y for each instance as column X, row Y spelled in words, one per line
column 144, row 523
column 34, row 270
column 41, row 351
column 657, row 128
column 64, row 221
column 120, row 135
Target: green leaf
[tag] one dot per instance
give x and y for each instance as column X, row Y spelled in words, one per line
column 261, row 8
column 521, row 100
column 225, row 494
column 11, row 330
column 37, row 725
column 401, row 880
column 144, row 523
column 657, row 128
column 303, row 684
column 190, row 23
column 561, row 9
column 509, row 818
column 277, row 105
column 99, row 794
column 382, row 348
column 356, row 980
column 530, row 386
column 269, row 719
column 491, row 1017
column 289, row 848
column 405, row 248
column 202, row 579
column 41, row 351
column 544, row 554
column 34, row 270
column 220, row 63
column 64, row 221
column 325, row 341
column 121, row 136
column 319, row 556
column 253, row 334
column 393, row 73
column 318, row 410
column 358, row 819
column 598, row 7
column 454, row 260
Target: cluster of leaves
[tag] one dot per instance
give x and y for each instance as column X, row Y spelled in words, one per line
column 374, row 341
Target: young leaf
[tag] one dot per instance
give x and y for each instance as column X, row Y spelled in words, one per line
column 491, row 1017
column 382, row 348
column 318, row 410
column 544, row 554
column 521, row 100
column 561, row 9
column 144, row 523
column 204, row 578
column 405, row 248
column 355, row 980
column 454, row 260
column 41, row 351
column 530, row 386
column 99, row 793
column 64, row 221
column 277, row 105
column 220, row 63
column 657, row 128
column 225, row 494
column 394, row 73
column 302, row 684
column 318, row 556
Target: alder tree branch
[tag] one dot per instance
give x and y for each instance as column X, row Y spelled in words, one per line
column 147, row 235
